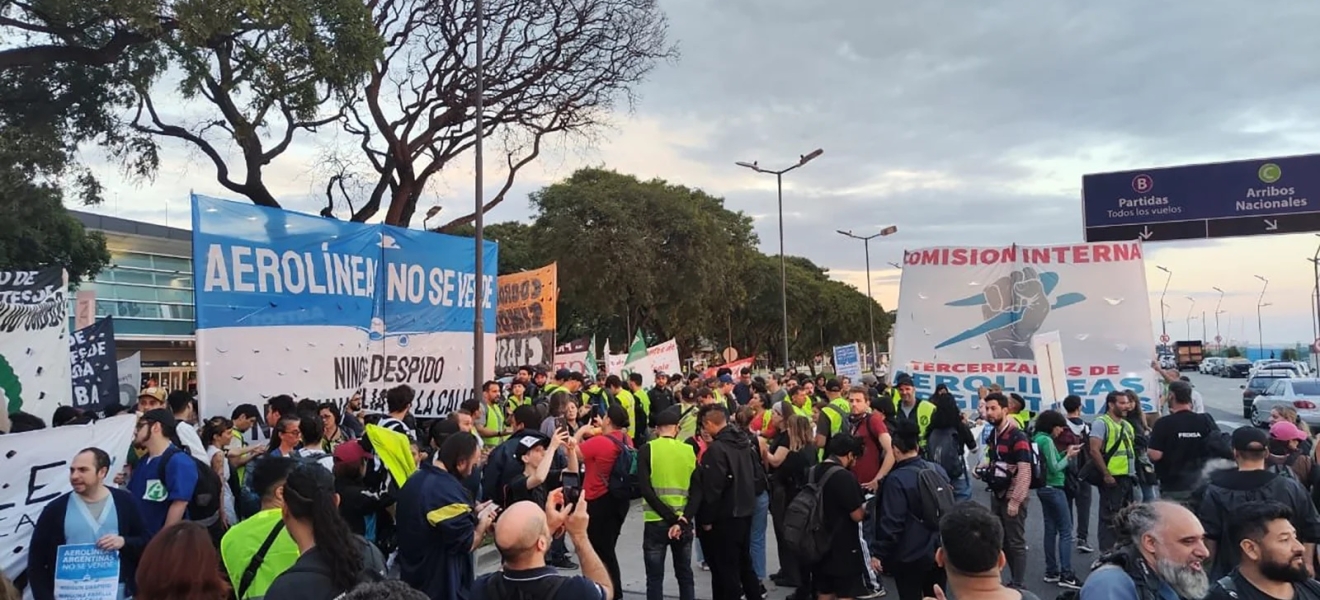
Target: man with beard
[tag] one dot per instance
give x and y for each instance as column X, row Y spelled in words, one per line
column 1158, row 557
column 1273, row 561
column 1228, row 490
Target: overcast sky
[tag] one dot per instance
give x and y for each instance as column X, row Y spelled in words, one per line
column 960, row 124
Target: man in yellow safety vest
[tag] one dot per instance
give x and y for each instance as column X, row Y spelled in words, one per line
column 664, row 472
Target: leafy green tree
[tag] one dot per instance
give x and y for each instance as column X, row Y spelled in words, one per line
column 36, row 230
column 647, row 255
column 1288, row 354
column 1233, row 352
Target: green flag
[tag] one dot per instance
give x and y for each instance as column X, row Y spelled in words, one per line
column 637, row 350
column 591, row 360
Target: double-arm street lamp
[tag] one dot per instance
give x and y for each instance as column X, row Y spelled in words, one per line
column 783, row 268
column 866, row 246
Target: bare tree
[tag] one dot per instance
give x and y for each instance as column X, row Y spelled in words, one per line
column 551, row 67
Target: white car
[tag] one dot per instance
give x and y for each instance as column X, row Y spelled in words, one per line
column 1208, row 366
column 1302, row 395
column 1277, row 365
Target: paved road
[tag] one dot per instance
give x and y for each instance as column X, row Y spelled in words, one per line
column 1223, row 400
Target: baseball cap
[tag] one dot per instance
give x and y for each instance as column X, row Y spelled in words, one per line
column 162, row 416
column 350, row 451
column 153, row 392
column 529, row 441
column 726, row 378
column 1286, row 431
column 833, row 385
column 562, row 374
column 668, row 416
column 902, row 380
column 1249, row 438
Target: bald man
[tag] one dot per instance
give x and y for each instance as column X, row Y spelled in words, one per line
column 522, row 535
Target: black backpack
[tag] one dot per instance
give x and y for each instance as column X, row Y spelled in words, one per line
column 204, row 505
column 804, row 520
column 936, row 497
column 945, row 449
column 622, row 482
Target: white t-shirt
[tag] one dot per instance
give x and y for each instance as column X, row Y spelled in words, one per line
column 188, row 435
column 321, row 458
column 1198, row 403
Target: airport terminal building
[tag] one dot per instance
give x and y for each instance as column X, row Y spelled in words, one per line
column 148, row 289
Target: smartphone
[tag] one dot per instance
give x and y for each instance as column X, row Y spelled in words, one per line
column 572, row 483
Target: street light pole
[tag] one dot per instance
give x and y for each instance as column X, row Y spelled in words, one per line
column 866, row 246
column 1164, row 324
column 1190, row 309
column 783, row 265
column 479, row 315
column 1218, row 337
column 1260, row 303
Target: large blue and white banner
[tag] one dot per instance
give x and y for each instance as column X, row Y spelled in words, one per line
column 289, row 303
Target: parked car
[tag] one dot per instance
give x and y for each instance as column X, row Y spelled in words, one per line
column 1235, row 367
column 1279, row 366
column 1256, row 384
column 1167, row 361
column 1303, row 395
column 1210, row 365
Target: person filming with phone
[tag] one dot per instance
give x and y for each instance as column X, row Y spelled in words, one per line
column 536, row 451
column 523, row 533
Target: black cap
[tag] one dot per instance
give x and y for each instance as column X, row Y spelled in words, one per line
column 563, row 374
column 162, row 416
column 668, row 416
column 529, row 441
column 903, row 379
column 1250, row 438
column 833, row 385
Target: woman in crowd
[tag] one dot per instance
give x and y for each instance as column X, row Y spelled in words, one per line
column 790, row 455
column 331, row 433
column 217, row 433
column 949, row 427
column 357, row 503
column 1289, row 414
column 161, row 575
column 1050, row 425
column 1143, row 469
column 331, row 559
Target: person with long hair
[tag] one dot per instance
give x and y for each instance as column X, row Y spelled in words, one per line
column 161, row 575
column 949, row 437
column 216, row 434
column 790, row 455
column 331, row 559
column 357, row 503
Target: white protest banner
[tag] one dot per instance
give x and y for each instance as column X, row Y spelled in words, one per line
column 34, row 356
column 130, row 379
column 664, row 357
column 1048, row 348
column 614, row 364
column 34, row 469
column 966, row 318
column 85, row 572
column 848, row 361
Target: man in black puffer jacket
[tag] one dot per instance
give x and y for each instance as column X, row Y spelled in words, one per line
column 722, row 499
column 1252, row 482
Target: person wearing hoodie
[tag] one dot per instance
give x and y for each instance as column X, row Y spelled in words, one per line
column 723, row 498
column 1079, row 496
column 1252, row 482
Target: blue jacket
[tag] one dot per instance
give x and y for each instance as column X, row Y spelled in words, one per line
column 48, row 536
column 900, row 536
column 436, row 523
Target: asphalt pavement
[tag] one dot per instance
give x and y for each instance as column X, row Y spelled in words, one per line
column 1223, row 399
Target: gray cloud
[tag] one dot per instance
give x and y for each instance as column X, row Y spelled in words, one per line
column 1002, row 98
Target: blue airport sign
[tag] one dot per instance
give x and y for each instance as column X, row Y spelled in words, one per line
column 1248, row 197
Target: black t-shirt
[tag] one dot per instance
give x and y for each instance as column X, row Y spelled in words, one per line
column 535, row 583
column 841, row 496
column 516, row 491
column 1181, row 436
column 1245, row 591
